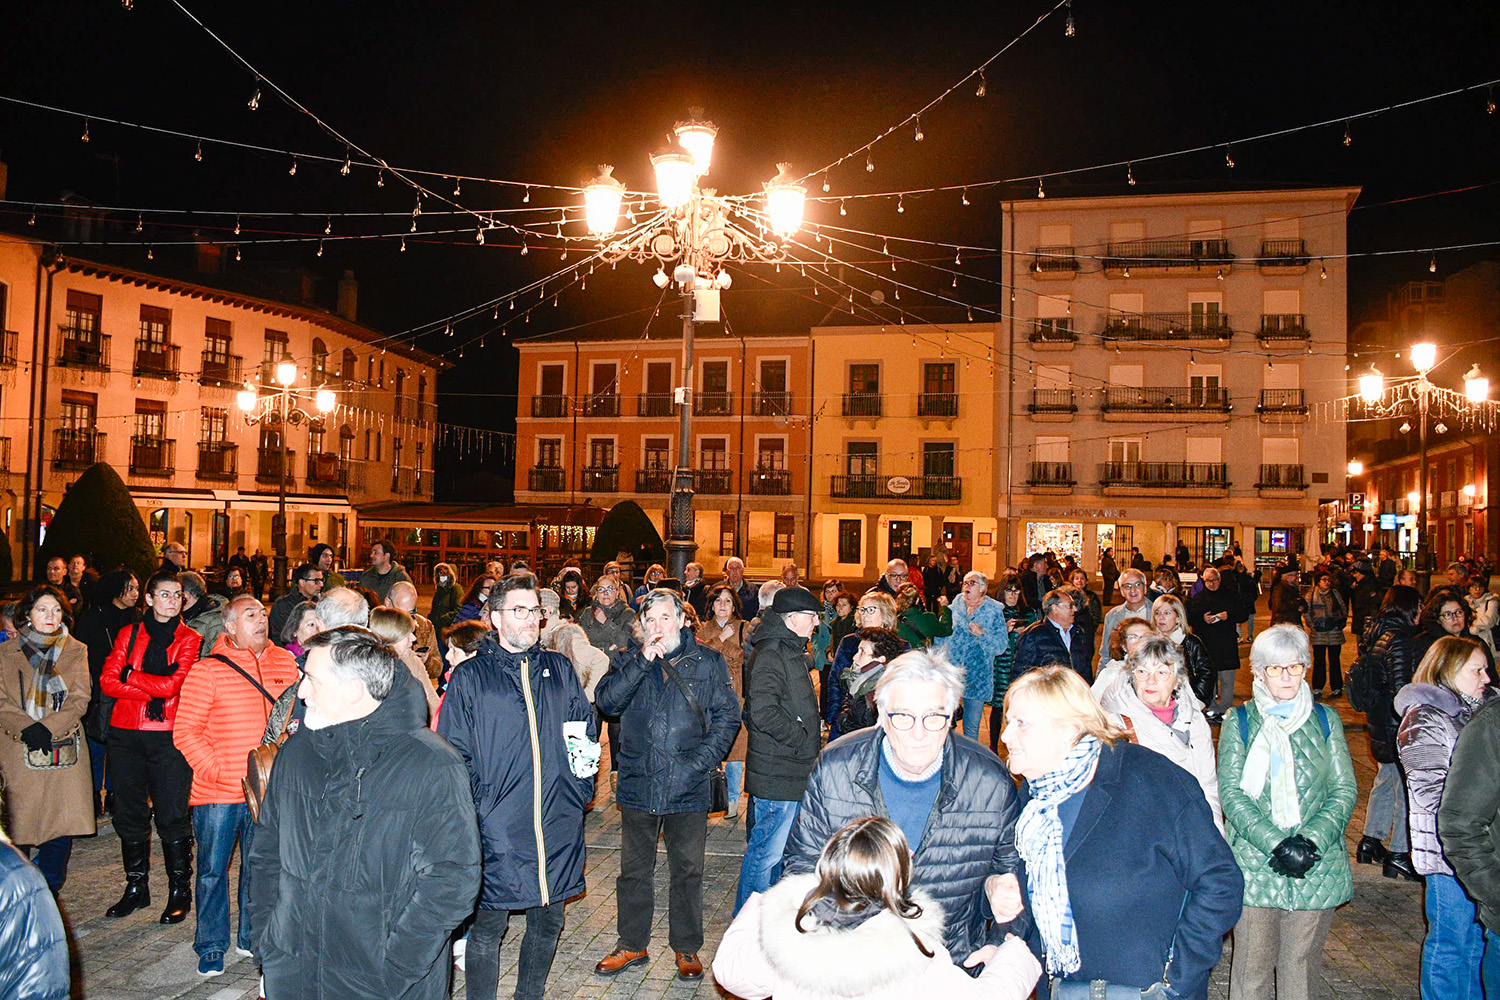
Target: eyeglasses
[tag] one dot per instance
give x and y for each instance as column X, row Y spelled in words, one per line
column 867, row 609
column 523, row 613
column 608, row 590
column 1155, row 673
column 1451, row 615
column 312, row 579
column 1294, row 669
column 167, row 595
column 934, row 722
column 1132, row 586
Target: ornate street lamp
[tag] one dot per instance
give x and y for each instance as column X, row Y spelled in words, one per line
column 692, row 237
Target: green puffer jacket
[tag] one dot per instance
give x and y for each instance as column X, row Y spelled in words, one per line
column 1326, row 791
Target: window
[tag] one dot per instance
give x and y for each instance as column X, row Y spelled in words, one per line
column 216, row 342
column 369, row 444
column 939, row 392
column 851, row 540
column 379, row 446
column 783, row 536
column 346, row 445
column 552, row 380
column 729, row 533
column 1204, row 383
column 860, row 458
column 715, row 454
column 82, row 343
column 656, row 453
column 716, row 377
column 1205, row 311
column 421, row 388
column 864, row 380
column 381, row 383
column 78, row 410
column 770, row 454
column 213, row 425
column 347, row 365
column 603, row 375
column 1124, row 451
column 937, row 460
column 319, row 360
column 276, row 347
column 773, row 376
column 370, row 370
column 155, row 323
column 659, row 378
column 549, row 453
column 601, row 453
column 400, row 386
column 773, row 397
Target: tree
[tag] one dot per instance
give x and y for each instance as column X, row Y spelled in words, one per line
column 626, row 528
column 98, row 518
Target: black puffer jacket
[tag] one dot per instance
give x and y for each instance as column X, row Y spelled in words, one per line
column 509, row 733
column 33, row 947
column 1389, row 650
column 781, row 714
column 970, row 836
column 365, row 860
column 1202, row 674
column 665, row 754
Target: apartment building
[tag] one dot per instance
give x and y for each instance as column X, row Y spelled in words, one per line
column 597, row 421
column 101, row 362
column 1166, row 350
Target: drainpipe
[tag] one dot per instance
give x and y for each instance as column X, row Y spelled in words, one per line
column 36, row 432
column 1008, row 208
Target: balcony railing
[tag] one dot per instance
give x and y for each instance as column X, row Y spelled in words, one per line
column 268, row 465
column 325, row 471
column 218, row 460
column 152, row 456
column 549, row 406
column 1164, row 399
column 773, row 404
column 937, row 404
column 1282, row 477
column 547, row 479
column 1051, row 474
column 594, row 479
column 862, row 404
column 601, row 404
column 653, row 481
column 1165, row 475
column 1052, row 401
column 1283, row 253
column 1054, row 258
column 770, row 483
column 221, row 369
column 713, row 481
column 654, row 404
column 76, row 447
column 1283, row 326
column 867, row 487
column 155, row 360
column 8, row 341
column 1282, row 401
column 1169, row 326
column 83, row 349
column 1167, row 253
column 1053, row 331
column 713, row 404
column 6, row 469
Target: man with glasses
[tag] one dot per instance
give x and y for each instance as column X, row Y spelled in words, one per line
column 1215, row 613
column 1055, row 639
column 895, row 575
column 307, row 585
column 1133, row 591
column 952, row 797
column 748, row 593
column 518, row 717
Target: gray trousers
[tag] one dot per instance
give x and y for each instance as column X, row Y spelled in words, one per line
column 1278, row 953
column 1385, row 813
column 1224, row 693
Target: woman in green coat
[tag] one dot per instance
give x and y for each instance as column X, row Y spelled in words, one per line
column 917, row 625
column 1288, row 789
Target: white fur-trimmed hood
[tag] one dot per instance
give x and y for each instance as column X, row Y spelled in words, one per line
column 834, row 964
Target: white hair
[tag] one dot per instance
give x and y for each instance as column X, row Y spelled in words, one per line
column 768, row 592
column 920, row 666
column 1279, row 644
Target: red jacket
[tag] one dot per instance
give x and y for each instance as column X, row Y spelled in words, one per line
column 139, row 687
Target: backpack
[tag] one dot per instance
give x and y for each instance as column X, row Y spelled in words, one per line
column 1360, row 685
column 1242, row 715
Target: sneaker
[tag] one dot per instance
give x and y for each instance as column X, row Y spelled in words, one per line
column 460, row 951
column 211, row 964
column 246, row 952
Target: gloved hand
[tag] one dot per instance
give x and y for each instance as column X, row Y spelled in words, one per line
column 37, row 737
column 1294, row 856
column 125, row 673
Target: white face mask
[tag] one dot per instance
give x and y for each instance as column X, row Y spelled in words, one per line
column 443, row 581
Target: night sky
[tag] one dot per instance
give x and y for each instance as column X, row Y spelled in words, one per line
column 544, row 93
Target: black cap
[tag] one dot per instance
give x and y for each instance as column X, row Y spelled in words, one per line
column 790, row 599
column 1363, row 566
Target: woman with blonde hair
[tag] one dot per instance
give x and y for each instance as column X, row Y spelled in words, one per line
column 1102, row 813
column 1171, row 620
column 875, row 609
column 857, row 928
column 400, row 630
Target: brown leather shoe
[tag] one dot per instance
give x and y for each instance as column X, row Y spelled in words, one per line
column 688, row 966
column 619, row 960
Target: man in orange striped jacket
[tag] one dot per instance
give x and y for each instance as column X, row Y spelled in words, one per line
column 221, row 716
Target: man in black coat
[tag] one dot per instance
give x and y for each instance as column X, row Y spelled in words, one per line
column 1214, row 614
column 366, row 855
column 518, row 717
column 678, row 718
column 954, row 799
column 1364, row 598
column 781, row 718
column 1054, row 639
column 1035, row 583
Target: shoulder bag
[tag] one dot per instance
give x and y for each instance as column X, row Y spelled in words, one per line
column 258, row 773
column 718, row 781
column 62, row 753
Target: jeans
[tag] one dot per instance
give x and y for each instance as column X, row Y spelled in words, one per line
column 216, row 827
column 103, row 780
column 1489, row 969
column 973, row 712
column 685, row 835
column 1223, row 693
column 51, row 859
column 1454, row 947
column 1385, row 813
column 1278, row 953
column 544, row 926
column 1326, row 659
column 734, row 777
column 767, row 841
column 151, row 776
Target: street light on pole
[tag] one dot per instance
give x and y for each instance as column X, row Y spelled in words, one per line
column 696, row 235
column 277, row 408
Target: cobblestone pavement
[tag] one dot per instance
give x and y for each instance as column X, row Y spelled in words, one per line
column 1373, row 952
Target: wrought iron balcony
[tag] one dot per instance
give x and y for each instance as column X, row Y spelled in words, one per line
column 1283, row 253
column 770, row 483
column 773, row 404
column 937, row 404
column 862, row 404
column 325, row 471
column 155, row 360
column 1051, row 474
column 83, row 349
column 1168, row 326
column 654, row 404
column 76, row 447
column 547, row 479
column 653, row 481
column 599, row 479
column 221, row 369
column 549, row 406
column 1283, row 326
column 218, row 460
column 1052, row 401
column 601, row 404
column 1165, row 399
column 1054, row 258
column 1165, row 475
column 1282, row 401
column 713, row 481
column 1147, row 254
column 713, row 404
column 1053, row 331
column 268, row 465
column 8, row 341
column 153, row 456
column 1282, row 477
column 868, row 487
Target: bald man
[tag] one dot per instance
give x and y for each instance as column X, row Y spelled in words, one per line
column 403, row 596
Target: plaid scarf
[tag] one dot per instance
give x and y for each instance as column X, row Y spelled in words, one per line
column 1039, row 838
column 47, row 691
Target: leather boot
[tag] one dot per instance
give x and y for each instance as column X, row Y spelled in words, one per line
column 1400, row 866
column 178, row 856
column 137, row 858
column 1371, row 851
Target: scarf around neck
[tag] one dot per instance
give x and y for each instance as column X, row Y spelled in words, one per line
column 48, row 690
column 1039, row 838
column 159, row 637
column 1271, row 758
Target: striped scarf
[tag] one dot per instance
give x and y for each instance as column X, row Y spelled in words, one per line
column 48, row 691
column 1039, row 838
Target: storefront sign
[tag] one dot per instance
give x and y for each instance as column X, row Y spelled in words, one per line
column 1356, row 501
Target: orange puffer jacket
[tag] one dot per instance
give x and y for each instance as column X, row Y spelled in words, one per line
column 132, row 694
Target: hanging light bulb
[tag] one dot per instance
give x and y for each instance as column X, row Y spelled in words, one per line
column 1069, row 28
column 1489, row 100
column 919, row 135
column 1432, row 264
column 236, row 253
column 1041, row 189
column 1348, row 139
column 31, row 221
column 869, row 163
column 236, row 225
column 85, row 136
column 1220, row 275
column 254, row 102
column 137, row 222
column 198, row 153
column 479, row 236
column 965, row 198
column 320, row 248
column 292, row 170
column 524, row 248
column 150, row 253
column 1322, row 271
column 1130, row 174
column 1127, row 270
column 403, row 244
column 328, row 226
column 979, row 90
column 958, row 257
column 1229, row 157
column 1440, row 427
column 900, row 204
column 1476, row 386
column 380, row 177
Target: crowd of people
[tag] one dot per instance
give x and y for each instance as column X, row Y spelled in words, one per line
column 399, row 784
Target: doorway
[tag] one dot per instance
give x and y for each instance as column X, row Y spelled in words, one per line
column 959, row 540
column 899, row 545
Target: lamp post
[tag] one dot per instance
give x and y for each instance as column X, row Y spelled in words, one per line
column 695, row 231
column 278, row 408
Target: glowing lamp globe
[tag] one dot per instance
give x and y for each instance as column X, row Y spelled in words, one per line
column 286, row 372
column 1371, row 386
column 675, row 177
column 1356, row 467
column 697, row 137
column 1476, row 386
column 601, row 202
column 785, row 201
column 326, row 400
column 246, row 399
column 1423, row 356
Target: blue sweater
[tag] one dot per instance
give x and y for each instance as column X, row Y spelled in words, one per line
column 909, row 802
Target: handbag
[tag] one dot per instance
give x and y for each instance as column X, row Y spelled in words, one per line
column 63, row 753
column 718, row 781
